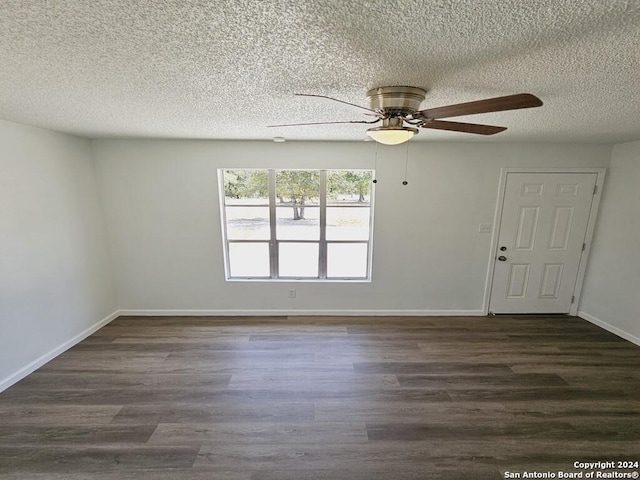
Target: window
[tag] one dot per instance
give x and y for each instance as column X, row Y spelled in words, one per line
column 297, row 224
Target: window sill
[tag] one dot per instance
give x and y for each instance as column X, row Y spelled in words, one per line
column 298, row 280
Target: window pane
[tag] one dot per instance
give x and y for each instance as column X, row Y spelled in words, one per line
column 249, row 259
column 248, row 223
column 350, row 187
column 246, row 187
column 347, row 260
column 298, row 187
column 348, row 223
column 305, row 227
column 284, row 206
column 298, row 259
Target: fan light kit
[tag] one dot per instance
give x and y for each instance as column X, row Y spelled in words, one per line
column 398, row 108
column 392, row 132
column 392, row 135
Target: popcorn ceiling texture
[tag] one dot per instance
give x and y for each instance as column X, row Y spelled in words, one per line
column 227, row 68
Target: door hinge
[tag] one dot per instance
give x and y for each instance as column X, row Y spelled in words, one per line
column 584, row 246
column 573, row 299
column 595, row 189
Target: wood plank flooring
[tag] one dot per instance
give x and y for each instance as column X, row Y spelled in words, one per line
column 325, row 398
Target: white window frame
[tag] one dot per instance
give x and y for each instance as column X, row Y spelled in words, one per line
column 274, row 243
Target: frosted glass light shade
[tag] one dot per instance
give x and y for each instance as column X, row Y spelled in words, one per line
column 391, row 136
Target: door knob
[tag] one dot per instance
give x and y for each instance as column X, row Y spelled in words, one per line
column 502, row 258
column 503, row 248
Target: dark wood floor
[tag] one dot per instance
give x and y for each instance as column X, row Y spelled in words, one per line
column 325, row 398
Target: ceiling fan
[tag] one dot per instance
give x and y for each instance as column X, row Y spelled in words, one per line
column 398, row 108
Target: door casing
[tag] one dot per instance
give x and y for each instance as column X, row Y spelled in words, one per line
column 497, row 219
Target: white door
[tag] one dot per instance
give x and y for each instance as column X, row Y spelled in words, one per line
column 540, row 241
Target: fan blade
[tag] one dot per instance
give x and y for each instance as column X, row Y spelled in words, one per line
column 464, row 127
column 324, row 97
column 498, row 104
column 320, row 123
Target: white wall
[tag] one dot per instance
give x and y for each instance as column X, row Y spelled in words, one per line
column 612, row 286
column 55, row 279
column 162, row 212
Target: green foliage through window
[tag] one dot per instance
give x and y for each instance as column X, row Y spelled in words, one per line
column 297, row 223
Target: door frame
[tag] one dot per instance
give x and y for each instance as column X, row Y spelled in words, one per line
column 497, row 219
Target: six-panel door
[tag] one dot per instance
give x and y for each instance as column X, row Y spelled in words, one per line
column 540, row 241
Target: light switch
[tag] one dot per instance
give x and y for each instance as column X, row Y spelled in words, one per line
column 484, row 228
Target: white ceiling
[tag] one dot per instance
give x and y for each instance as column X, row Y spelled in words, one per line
column 227, row 68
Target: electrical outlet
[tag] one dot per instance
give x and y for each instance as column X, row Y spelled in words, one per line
column 484, row 228
column 292, row 293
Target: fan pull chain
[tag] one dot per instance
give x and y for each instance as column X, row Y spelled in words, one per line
column 406, row 165
column 375, row 163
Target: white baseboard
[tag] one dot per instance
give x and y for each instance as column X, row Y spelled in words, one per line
column 341, row 313
column 38, row 362
column 610, row 328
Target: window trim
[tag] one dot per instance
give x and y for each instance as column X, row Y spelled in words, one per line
column 274, row 243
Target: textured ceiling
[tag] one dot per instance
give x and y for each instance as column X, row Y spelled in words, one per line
column 227, row 68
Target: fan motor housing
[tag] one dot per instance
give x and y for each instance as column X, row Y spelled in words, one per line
column 399, row 100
